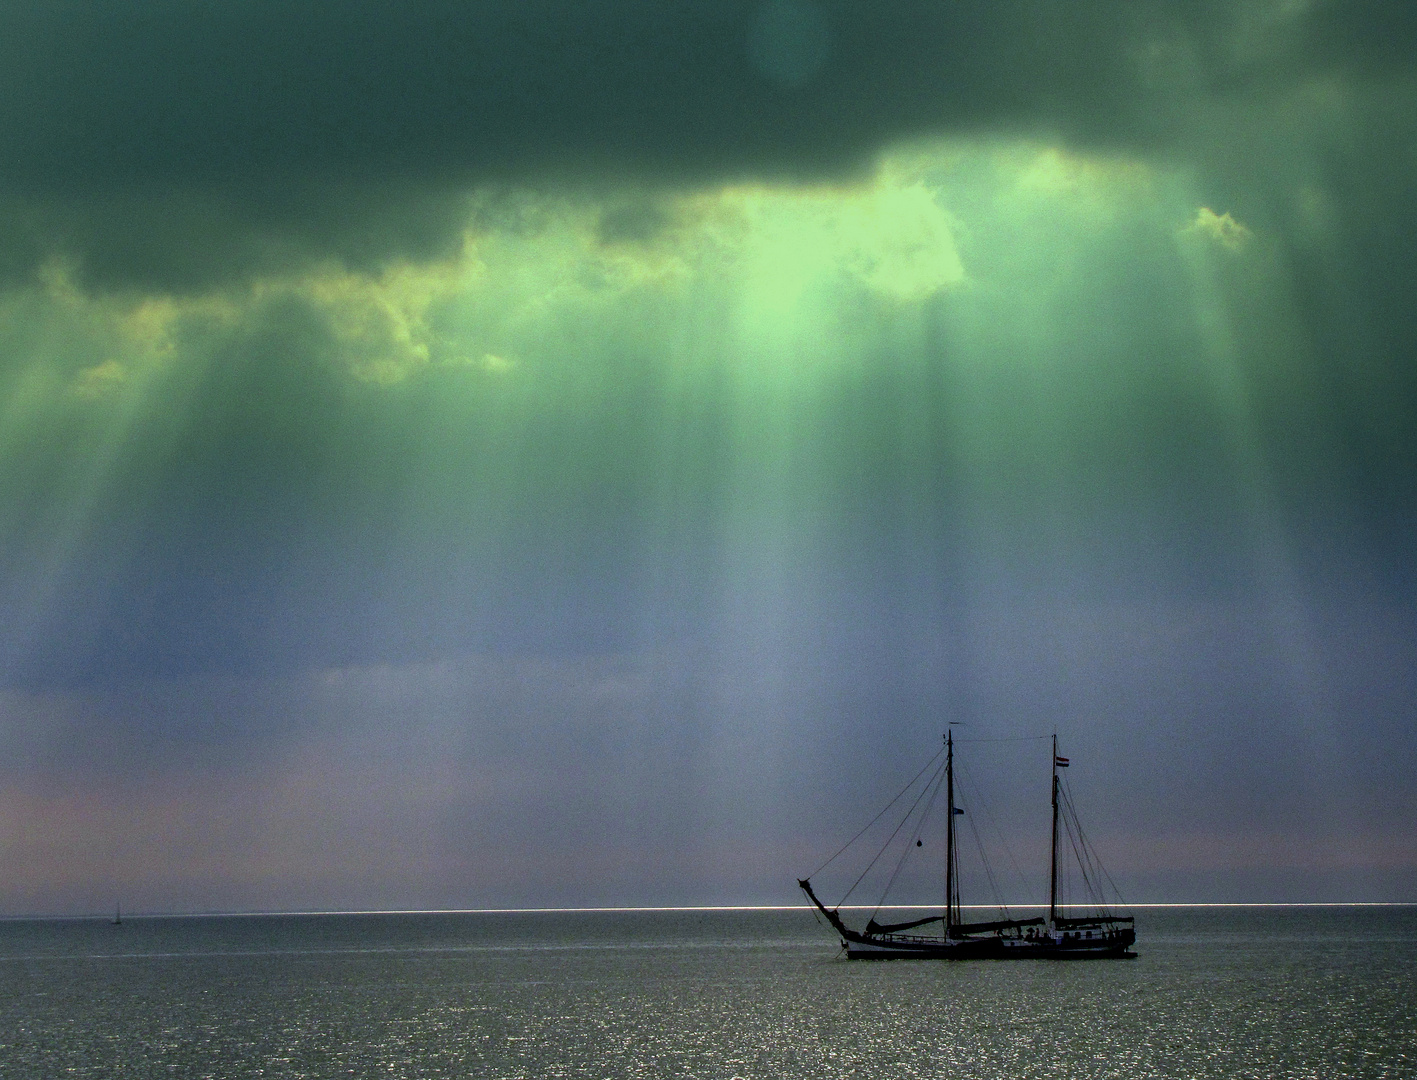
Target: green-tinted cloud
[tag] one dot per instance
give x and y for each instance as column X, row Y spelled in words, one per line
column 185, row 145
column 992, row 364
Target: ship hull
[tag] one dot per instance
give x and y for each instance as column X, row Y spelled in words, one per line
column 1113, row 947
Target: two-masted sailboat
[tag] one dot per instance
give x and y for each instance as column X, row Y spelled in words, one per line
column 1064, row 934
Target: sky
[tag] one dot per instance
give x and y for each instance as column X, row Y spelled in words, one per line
column 481, row 454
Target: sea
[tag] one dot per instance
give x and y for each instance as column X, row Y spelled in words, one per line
column 1263, row 992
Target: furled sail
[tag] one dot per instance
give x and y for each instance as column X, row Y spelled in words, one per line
column 873, row 927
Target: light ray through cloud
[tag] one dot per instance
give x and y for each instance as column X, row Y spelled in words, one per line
column 618, row 550
column 1205, row 245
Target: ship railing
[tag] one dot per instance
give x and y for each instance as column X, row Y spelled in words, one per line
column 1093, row 920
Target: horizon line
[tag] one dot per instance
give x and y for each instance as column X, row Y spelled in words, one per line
column 670, row 908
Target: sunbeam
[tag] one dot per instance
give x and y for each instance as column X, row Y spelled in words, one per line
column 736, row 488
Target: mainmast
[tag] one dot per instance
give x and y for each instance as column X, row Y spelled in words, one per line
column 1053, row 861
column 951, row 886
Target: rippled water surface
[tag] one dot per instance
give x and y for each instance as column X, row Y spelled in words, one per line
column 1287, row 992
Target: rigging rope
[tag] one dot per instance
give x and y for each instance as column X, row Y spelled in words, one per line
column 1009, row 738
column 933, row 782
column 1089, row 865
column 993, row 823
column 979, row 845
column 919, row 828
column 1093, row 860
column 878, row 817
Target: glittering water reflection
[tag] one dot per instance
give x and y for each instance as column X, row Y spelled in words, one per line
column 1215, row 993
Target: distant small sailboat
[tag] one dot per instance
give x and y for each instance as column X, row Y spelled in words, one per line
column 1098, row 935
column 118, row 914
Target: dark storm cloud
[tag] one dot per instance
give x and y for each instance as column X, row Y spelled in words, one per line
column 173, row 144
column 1363, row 34
column 174, row 236
column 110, row 94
